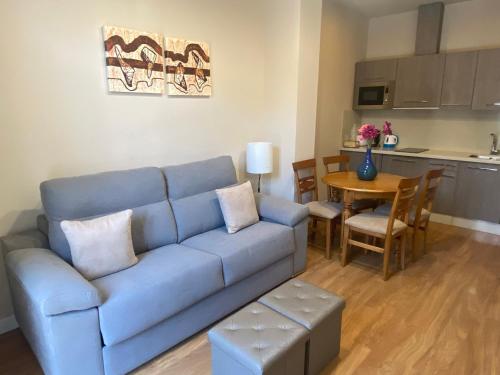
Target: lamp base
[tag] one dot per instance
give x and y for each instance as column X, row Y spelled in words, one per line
column 258, row 186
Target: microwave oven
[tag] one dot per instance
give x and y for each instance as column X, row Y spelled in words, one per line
column 374, row 95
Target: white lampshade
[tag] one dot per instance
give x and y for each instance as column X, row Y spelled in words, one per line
column 260, row 157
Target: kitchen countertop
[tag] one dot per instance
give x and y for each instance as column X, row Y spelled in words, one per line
column 430, row 154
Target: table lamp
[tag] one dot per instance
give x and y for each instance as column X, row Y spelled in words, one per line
column 259, row 159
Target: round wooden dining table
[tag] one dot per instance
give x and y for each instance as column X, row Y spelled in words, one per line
column 384, row 186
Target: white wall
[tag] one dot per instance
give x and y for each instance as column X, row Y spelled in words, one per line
column 467, row 25
column 343, row 42
column 58, row 119
column 307, row 98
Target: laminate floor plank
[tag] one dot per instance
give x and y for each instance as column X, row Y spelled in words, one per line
column 439, row 316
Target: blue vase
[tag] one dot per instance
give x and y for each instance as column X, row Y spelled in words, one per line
column 367, row 170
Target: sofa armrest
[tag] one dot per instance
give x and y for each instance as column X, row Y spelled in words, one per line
column 52, row 284
column 280, row 210
column 33, row 238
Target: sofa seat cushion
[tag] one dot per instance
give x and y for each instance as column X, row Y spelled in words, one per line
column 164, row 281
column 247, row 251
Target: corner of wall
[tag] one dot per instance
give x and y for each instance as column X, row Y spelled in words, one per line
column 344, row 34
column 308, row 77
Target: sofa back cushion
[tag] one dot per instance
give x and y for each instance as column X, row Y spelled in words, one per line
column 191, row 191
column 77, row 198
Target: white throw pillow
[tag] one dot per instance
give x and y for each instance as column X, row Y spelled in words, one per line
column 238, row 206
column 101, row 246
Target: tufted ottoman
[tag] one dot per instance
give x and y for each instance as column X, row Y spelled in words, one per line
column 258, row 340
column 317, row 310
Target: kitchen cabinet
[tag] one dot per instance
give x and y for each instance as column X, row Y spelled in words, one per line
column 477, row 196
column 458, row 80
column 444, row 201
column 356, row 158
column 487, row 84
column 404, row 166
column 419, row 81
column 376, row 71
column 467, row 189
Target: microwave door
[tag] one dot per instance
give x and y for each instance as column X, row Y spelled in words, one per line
column 371, row 96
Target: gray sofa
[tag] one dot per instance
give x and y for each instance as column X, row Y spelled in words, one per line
column 190, row 273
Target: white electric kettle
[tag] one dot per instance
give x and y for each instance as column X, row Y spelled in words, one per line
column 390, row 141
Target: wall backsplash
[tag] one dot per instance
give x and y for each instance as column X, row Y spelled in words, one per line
column 441, row 130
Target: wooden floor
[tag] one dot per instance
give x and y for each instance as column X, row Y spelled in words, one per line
column 439, row 316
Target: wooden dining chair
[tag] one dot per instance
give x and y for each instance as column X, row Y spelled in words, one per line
column 420, row 213
column 341, row 162
column 323, row 211
column 387, row 228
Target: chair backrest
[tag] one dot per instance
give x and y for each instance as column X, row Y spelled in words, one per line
column 343, row 165
column 428, row 193
column 403, row 201
column 341, row 160
column 305, row 178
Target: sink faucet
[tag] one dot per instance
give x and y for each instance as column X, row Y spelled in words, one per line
column 494, row 149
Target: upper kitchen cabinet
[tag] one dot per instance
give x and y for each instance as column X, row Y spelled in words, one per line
column 487, row 90
column 376, row 71
column 419, row 81
column 458, row 80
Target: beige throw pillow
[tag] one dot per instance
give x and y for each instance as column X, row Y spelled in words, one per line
column 101, row 246
column 238, row 206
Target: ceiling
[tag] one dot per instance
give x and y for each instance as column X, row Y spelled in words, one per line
column 377, row 8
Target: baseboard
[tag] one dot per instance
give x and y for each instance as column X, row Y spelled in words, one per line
column 8, row 324
column 479, row 225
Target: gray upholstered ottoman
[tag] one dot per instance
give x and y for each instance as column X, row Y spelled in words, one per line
column 317, row 310
column 258, row 340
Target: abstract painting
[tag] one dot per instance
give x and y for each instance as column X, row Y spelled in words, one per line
column 187, row 65
column 134, row 60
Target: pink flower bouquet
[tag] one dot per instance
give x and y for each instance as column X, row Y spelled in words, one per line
column 367, row 133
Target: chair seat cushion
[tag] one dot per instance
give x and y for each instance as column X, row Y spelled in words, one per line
column 164, row 281
column 373, row 222
column 248, row 251
column 324, row 209
column 385, row 209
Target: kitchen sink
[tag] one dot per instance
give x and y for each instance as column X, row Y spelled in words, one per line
column 485, row 157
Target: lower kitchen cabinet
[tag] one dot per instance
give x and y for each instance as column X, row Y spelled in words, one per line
column 404, row 166
column 444, row 201
column 467, row 190
column 477, row 194
column 356, row 158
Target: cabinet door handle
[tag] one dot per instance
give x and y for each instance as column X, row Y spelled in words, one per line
column 455, row 105
column 443, row 165
column 483, row 169
column 404, row 160
column 495, row 104
column 422, row 101
column 448, row 176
